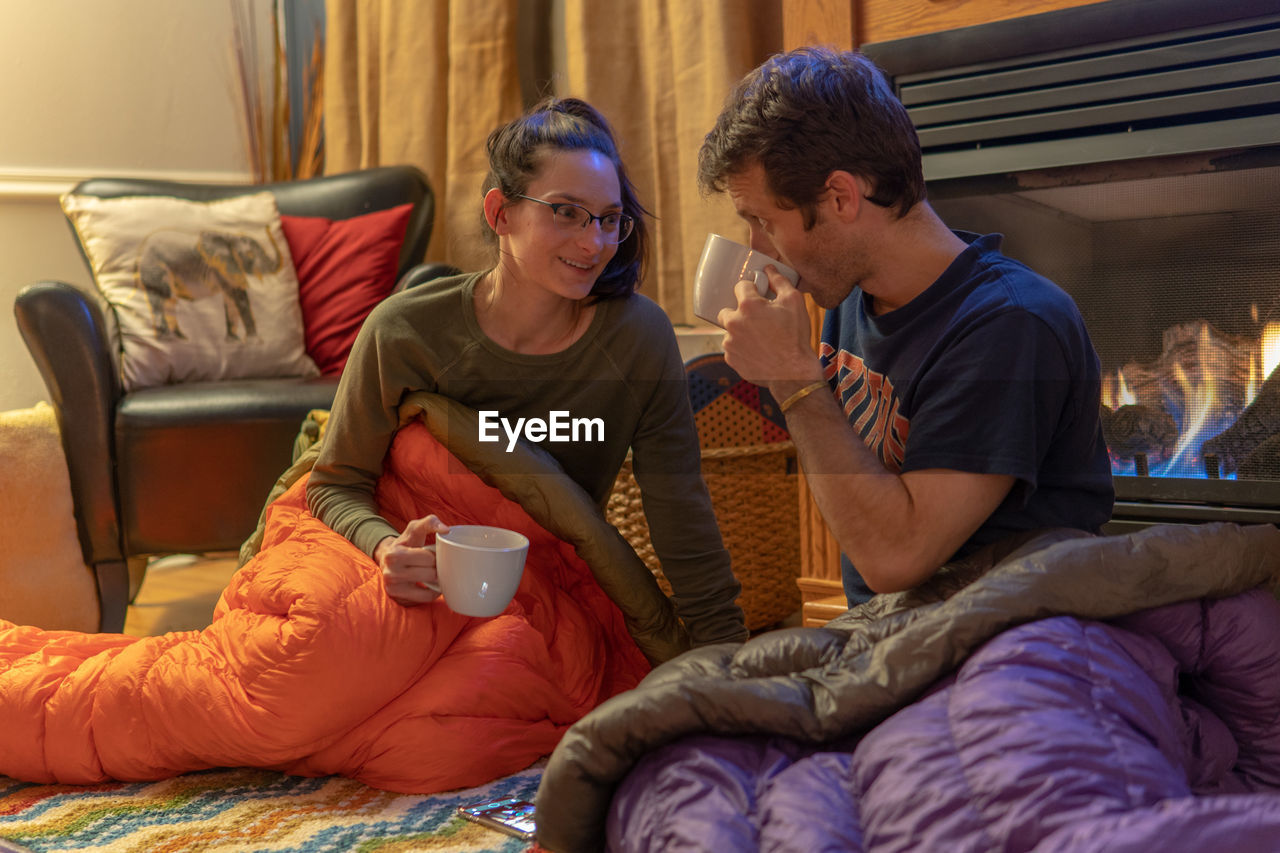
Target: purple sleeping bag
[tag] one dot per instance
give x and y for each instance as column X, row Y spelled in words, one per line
column 1158, row 731
column 1070, row 693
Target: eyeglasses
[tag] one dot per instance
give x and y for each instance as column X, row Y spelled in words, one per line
column 614, row 227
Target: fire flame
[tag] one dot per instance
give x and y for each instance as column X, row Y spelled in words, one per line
column 1267, row 361
column 1195, row 395
column 1199, row 405
column 1115, row 392
column 1269, row 348
column 1200, row 397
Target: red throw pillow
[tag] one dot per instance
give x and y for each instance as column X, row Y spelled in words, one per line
column 345, row 267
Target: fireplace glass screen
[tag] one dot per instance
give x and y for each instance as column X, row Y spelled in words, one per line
column 1175, row 265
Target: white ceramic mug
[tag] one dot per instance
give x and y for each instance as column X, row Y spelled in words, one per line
column 724, row 263
column 479, row 567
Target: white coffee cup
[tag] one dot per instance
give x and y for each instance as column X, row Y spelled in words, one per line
column 479, row 567
column 724, row 263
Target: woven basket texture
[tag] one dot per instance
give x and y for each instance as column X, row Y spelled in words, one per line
column 749, row 463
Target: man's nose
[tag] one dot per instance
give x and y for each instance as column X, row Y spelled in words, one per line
column 761, row 242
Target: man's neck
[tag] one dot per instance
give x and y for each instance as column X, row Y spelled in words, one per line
column 914, row 253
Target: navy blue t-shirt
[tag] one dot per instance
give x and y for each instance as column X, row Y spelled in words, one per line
column 990, row 370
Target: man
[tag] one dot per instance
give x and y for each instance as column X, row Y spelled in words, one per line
column 955, row 398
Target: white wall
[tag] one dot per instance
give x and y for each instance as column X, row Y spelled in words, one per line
column 91, row 88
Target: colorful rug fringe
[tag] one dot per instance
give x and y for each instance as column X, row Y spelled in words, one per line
column 226, row 811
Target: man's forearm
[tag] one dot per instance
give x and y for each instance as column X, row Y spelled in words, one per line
column 867, row 508
column 896, row 529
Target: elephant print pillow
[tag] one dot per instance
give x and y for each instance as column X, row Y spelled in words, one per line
column 199, row 290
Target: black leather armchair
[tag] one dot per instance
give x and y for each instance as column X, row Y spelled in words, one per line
column 183, row 468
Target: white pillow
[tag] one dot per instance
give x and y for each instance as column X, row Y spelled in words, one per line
column 200, row 290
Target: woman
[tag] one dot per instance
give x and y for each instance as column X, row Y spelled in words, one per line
column 311, row 664
column 554, row 326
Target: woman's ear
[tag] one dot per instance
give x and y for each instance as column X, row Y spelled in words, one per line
column 495, row 212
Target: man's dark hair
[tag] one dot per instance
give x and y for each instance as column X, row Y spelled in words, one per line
column 569, row 124
column 806, row 113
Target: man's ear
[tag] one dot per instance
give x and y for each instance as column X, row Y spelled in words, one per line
column 846, row 192
column 495, row 210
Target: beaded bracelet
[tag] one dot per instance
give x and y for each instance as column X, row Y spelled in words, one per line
column 800, row 395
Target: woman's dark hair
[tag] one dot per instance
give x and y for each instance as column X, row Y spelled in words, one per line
column 807, row 113
column 570, row 124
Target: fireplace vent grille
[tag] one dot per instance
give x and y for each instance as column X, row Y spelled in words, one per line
column 1179, row 92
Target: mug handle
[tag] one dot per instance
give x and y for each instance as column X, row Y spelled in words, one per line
column 762, row 281
column 434, row 587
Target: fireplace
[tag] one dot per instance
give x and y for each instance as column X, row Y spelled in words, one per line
column 1130, row 150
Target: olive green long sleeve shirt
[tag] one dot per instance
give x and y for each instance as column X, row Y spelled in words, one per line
column 619, row 387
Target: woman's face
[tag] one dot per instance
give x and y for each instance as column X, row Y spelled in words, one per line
column 563, row 260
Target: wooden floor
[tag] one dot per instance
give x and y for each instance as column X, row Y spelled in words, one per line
column 178, row 593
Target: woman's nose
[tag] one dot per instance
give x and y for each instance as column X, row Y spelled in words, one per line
column 593, row 236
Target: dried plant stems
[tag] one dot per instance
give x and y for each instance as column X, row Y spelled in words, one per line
column 310, row 160
column 281, row 162
column 265, row 112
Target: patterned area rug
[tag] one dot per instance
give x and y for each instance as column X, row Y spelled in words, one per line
column 233, row 811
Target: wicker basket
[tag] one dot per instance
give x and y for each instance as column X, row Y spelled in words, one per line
column 754, row 492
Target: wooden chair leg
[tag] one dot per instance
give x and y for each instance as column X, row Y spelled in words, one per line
column 113, row 595
column 137, row 570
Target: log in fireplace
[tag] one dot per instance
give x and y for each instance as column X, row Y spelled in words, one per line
column 1130, row 150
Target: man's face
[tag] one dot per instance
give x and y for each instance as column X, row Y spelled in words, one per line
column 820, row 254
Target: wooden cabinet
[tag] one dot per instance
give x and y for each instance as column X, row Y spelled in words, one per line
column 830, row 22
column 817, row 612
column 847, row 23
column 882, row 20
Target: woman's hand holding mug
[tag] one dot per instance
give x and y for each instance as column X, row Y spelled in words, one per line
column 408, row 563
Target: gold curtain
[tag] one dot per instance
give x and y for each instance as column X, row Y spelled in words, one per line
column 424, row 84
column 660, row 70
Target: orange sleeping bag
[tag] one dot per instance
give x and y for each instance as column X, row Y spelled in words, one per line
column 310, row 669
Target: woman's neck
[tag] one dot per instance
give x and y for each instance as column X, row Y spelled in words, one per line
column 527, row 319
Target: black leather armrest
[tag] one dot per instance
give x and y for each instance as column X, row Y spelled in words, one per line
column 67, row 335
column 425, row 272
column 338, row 196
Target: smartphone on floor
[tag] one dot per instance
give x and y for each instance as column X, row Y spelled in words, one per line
column 509, row 815
column 7, row 846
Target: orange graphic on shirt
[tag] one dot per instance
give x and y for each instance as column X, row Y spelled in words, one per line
column 869, row 403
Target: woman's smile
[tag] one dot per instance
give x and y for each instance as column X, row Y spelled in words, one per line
column 586, row 266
